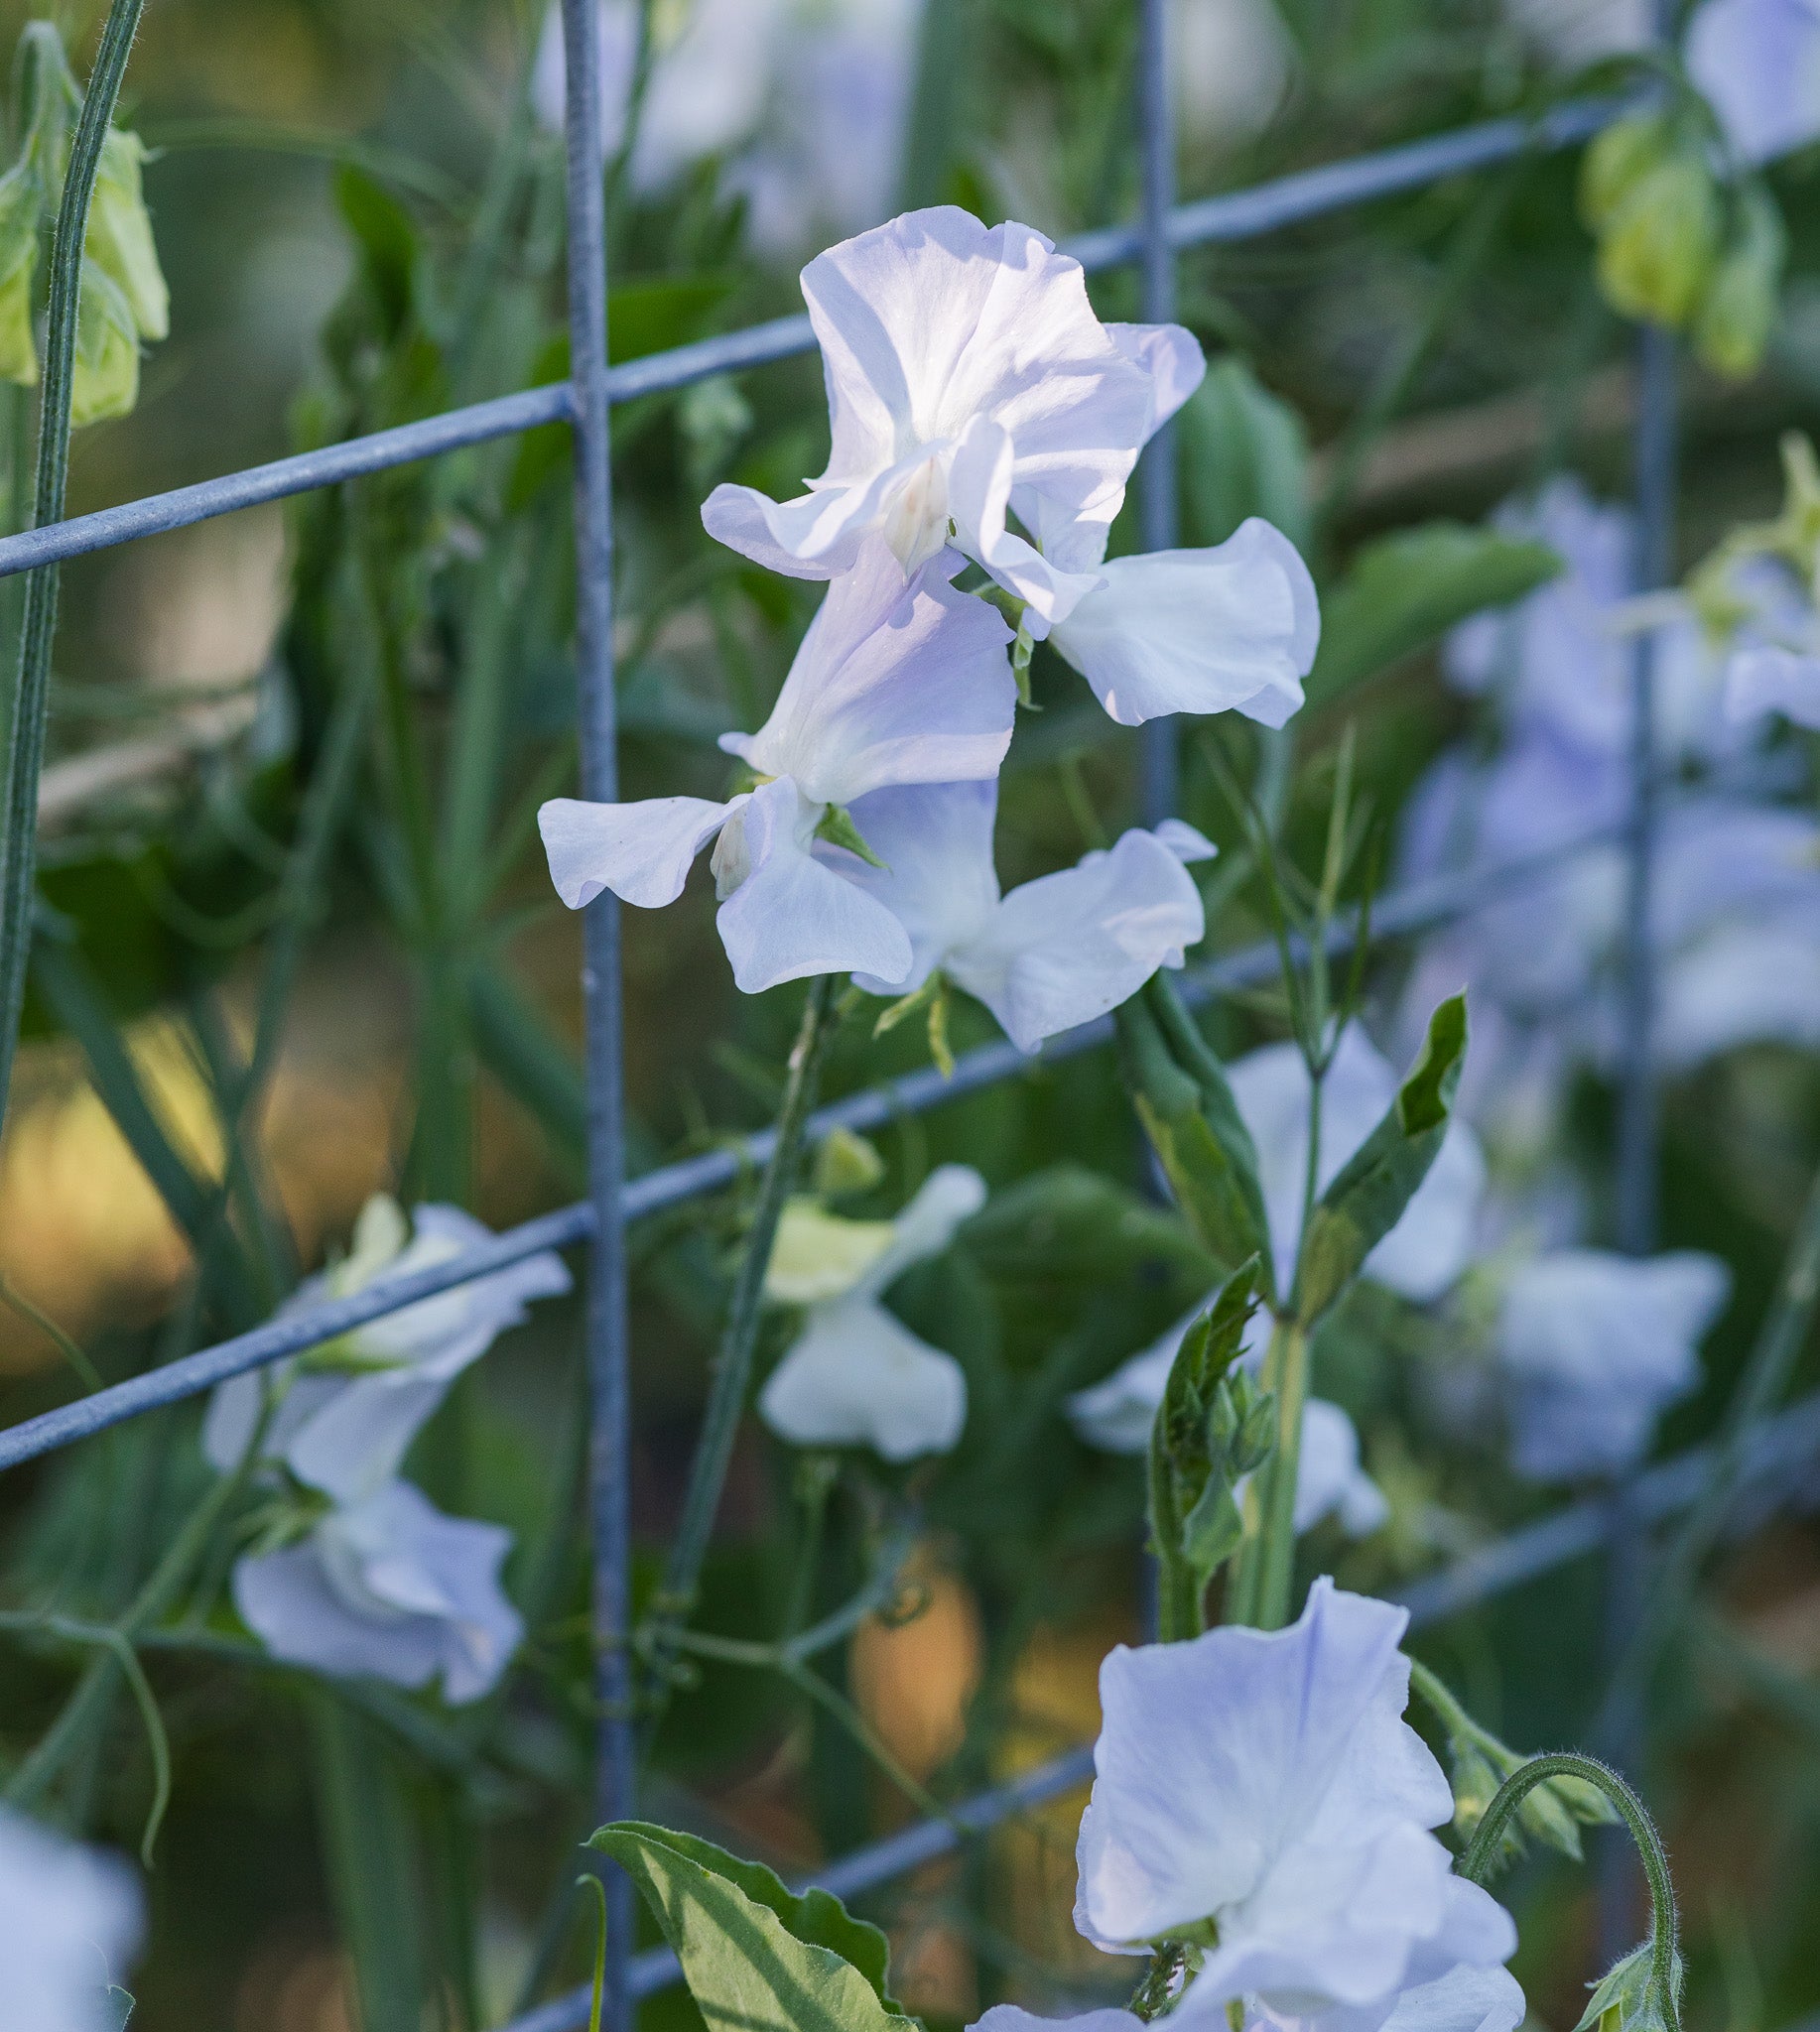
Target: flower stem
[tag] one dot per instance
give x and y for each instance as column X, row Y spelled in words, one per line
column 732, row 1369
column 31, row 702
column 1481, row 1858
column 1266, row 1561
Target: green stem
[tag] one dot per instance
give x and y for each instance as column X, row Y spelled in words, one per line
column 1481, row 1858
column 31, row 702
column 1266, row 1559
column 675, row 1600
column 1180, row 1600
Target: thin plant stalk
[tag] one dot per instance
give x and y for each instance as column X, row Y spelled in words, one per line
column 732, row 1368
column 1266, row 1565
column 31, row 700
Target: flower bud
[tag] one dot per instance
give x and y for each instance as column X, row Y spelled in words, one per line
column 1614, row 164
column 120, row 235
column 1738, row 313
column 1624, row 2000
column 845, row 1164
column 21, row 197
column 1657, row 249
column 106, row 380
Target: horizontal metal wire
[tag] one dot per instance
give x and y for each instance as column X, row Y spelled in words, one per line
column 1784, row 1450
column 1236, row 215
column 1420, row 907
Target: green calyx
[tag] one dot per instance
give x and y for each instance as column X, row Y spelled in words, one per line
column 838, row 829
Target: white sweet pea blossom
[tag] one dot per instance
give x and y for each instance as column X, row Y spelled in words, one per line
column 1054, row 953
column 71, row 1921
column 968, row 382
column 1432, row 1244
column 1758, row 63
column 1466, row 1999
column 857, row 1376
column 1234, row 628
column 1596, row 1347
column 895, row 683
column 387, row 1588
column 1116, row 1415
column 344, row 1416
column 1263, row 1786
column 1772, row 664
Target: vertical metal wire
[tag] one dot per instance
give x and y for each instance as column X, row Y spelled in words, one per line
column 1156, row 472
column 608, row 1447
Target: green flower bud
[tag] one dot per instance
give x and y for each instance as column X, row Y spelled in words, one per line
column 120, row 235
column 1624, row 2000
column 1738, row 313
column 1614, row 164
column 845, row 1164
column 1657, row 249
column 106, row 351
column 21, row 197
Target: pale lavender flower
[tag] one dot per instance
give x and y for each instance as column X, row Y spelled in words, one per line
column 71, row 1922
column 1052, row 954
column 896, row 682
column 387, row 1588
column 1758, row 63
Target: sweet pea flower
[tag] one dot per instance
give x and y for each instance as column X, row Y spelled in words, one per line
column 1262, row 1786
column 1432, row 1244
column 806, row 100
column 968, row 381
column 344, row 1414
column 857, row 1376
column 1758, row 61
column 1052, row 954
column 1464, row 1999
column 1116, row 1415
column 71, row 1921
column 895, row 683
column 1594, row 1348
column 1772, row 663
column 387, row 1588
column 1234, row 628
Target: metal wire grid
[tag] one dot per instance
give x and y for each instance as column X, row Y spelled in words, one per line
column 585, row 403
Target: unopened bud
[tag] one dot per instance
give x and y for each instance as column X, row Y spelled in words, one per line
column 106, row 382
column 20, row 194
column 1256, row 1436
column 1656, row 250
column 1626, row 1998
column 1738, row 313
column 1615, row 162
column 120, row 235
column 845, row 1163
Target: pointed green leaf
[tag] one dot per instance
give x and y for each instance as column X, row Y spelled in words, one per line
column 1180, row 1092
column 757, row 1956
column 1244, row 453
column 1404, row 591
column 1367, row 1197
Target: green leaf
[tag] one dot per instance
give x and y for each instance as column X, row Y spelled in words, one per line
column 754, row 1953
column 1069, row 1225
column 1404, row 591
column 1367, row 1200
column 651, row 314
column 1180, row 1092
column 1244, row 453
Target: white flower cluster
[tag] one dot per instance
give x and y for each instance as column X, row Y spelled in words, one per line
column 985, row 422
column 368, row 1577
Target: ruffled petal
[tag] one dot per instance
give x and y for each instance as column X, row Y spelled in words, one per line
column 1172, row 358
column 895, row 683
column 947, row 1198
column 1768, row 679
column 641, row 852
column 858, row 1377
column 1068, row 947
column 1229, row 629
column 1236, row 1763
column 1758, row 63
column 72, row 1919
column 981, row 496
column 791, row 916
column 938, row 879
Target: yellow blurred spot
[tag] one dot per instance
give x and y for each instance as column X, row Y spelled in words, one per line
column 819, row 1256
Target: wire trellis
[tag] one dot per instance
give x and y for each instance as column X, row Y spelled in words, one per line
column 1781, row 1447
